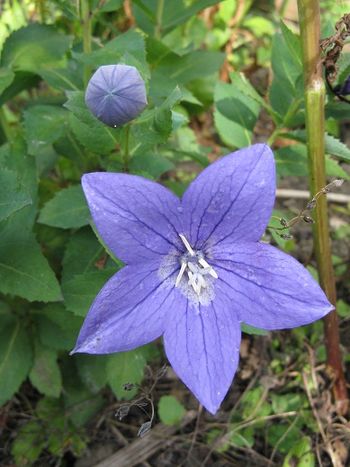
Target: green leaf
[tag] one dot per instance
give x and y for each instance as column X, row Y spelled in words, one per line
column 336, row 109
column 170, row 410
column 343, row 309
column 68, row 147
column 188, row 67
column 291, row 160
column 170, row 69
column 55, row 425
column 283, row 435
column 287, row 402
column 12, row 197
column 22, row 80
column 123, row 368
column 57, row 328
column 28, row 444
column 259, row 26
column 80, row 290
column 180, row 12
column 240, row 82
column 153, row 126
column 92, row 371
column 15, row 358
column 333, row 169
column 235, row 115
column 90, row 132
column 24, row 271
column 82, row 253
column 293, row 42
column 68, row 8
column 127, row 48
column 252, row 330
column 334, row 147
column 43, row 124
column 80, row 403
column 251, row 399
column 110, row 5
column 97, row 138
column 45, row 375
column 237, row 111
column 76, row 104
column 45, row 159
column 243, row 438
column 62, row 78
column 152, row 164
column 34, row 47
column 82, row 406
column 6, row 78
column 287, row 84
column 301, row 454
column 15, row 158
column 67, row 209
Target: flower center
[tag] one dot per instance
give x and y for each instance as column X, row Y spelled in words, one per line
column 196, row 268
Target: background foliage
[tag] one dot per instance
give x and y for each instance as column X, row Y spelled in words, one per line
column 218, row 79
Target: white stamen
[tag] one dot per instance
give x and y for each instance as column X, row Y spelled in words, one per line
column 187, row 245
column 201, row 281
column 181, row 273
column 207, row 265
column 193, row 277
column 196, row 269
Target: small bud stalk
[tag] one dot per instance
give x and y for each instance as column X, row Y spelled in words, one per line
column 303, row 214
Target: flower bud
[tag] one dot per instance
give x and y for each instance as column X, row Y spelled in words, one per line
column 286, row 236
column 283, row 222
column 311, row 204
column 116, row 94
column 308, row 220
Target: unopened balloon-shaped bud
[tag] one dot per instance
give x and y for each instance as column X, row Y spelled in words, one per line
column 116, row 94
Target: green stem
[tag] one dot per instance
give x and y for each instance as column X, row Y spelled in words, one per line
column 86, row 19
column 126, row 151
column 309, row 18
column 275, row 134
column 159, row 17
column 5, row 125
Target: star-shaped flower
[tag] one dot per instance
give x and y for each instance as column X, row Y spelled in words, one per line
column 195, row 269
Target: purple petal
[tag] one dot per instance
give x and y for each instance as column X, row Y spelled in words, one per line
column 116, row 94
column 202, row 345
column 137, row 219
column 128, row 312
column 232, row 199
column 268, row 289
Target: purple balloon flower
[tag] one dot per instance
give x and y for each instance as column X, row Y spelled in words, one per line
column 195, row 269
column 116, row 94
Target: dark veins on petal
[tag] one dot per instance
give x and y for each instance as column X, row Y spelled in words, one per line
column 127, row 310
column 260, row 286
column 136, row 218
column 249, row 173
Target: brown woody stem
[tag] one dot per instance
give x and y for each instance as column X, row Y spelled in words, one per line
column 309, row 18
